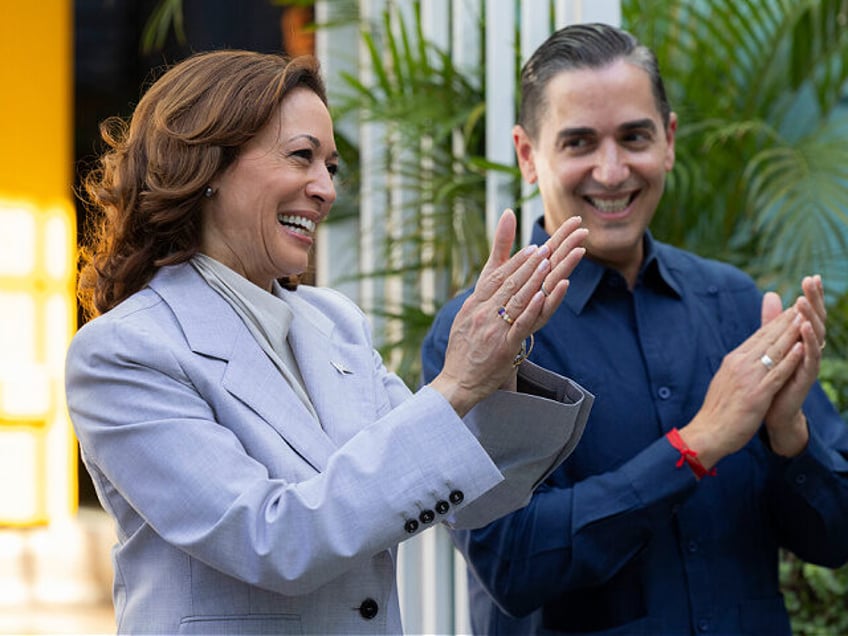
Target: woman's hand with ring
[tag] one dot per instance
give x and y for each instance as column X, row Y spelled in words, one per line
column 507, row 305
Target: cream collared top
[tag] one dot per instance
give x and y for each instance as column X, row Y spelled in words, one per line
column 267, row 316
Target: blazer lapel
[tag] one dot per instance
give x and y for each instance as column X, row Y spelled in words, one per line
column 337, row 375
column 213, row 329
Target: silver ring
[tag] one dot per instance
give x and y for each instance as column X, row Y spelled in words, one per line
column 503, row 314
column 823, row 345
column 768, row 363
column 545, row 291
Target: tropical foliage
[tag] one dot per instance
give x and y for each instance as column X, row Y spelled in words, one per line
column 431, row 120
column 762, row 169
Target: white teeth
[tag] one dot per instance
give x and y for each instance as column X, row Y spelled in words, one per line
column 610, row 205
column 299, row 224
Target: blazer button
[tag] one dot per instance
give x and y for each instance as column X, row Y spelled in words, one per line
column 442, row 507
column 368, row 609
column 411, row 526
column 456, row 497
column 427, row 516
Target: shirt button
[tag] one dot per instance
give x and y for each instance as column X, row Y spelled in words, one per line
column 692, row 547
column 368, row 609
column 442, row 507
column 456, row 497
column 712, row 289
column 411, row 526
column 664, row 392
column 427, row 516
column 703, row 625
column 800, row 479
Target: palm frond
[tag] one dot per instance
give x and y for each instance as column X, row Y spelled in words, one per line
column 165, row 14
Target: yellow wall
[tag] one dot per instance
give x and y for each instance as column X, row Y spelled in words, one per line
column 38, row 480
column 36, row 58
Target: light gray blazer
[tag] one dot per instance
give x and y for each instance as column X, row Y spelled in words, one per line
column 237, row 512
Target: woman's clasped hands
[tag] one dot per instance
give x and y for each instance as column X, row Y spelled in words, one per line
column 514, row 297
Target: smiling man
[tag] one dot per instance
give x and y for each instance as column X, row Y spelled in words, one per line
column 710, row 445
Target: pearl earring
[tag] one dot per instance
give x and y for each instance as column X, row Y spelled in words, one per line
column 209, row 192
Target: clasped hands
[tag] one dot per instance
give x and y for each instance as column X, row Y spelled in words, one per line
column 514, row 297
column 765, row 379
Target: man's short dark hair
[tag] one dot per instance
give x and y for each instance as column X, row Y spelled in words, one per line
column 583, row 46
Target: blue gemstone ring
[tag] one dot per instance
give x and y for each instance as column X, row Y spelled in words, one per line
column 503, row 314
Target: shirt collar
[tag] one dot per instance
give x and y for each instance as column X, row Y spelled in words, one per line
column 269, row 312
column 657, row 269
column 584, row 280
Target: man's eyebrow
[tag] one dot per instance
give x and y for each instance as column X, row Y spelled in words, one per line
column 639, row 124
column 578, row 131
column 588, row 131
column 582, row 131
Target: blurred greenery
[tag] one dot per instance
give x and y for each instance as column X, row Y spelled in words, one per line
column 761, row 177
column 430, row 118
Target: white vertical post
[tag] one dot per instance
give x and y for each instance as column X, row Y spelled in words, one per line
column 575, row 11
column 372, row 212
column 435, row 19
column 465, row 52
column 535, row 28
column 500, row 109
column 337, row 252
column 426, row 562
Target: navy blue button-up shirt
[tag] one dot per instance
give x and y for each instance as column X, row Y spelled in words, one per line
column 618, row 539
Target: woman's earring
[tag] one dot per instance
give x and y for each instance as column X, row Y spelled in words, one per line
column 209, row 192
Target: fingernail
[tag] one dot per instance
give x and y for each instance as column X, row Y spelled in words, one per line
column 544, row 250
column 530, row 249
column 543, row 265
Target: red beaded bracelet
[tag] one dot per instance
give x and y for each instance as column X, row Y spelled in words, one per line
column 688, row 455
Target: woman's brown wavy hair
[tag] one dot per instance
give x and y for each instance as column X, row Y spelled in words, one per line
column 145, row 192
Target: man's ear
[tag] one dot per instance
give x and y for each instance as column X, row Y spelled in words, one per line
column 524, row 153
column 670, row 131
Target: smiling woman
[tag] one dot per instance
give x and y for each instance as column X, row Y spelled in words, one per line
column 232, row 419
column 261, row 220
column 187, row 134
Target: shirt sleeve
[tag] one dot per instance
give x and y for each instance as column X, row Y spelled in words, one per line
column 576, row 535
column 808, row 496
column 580, row 532
column 569, row 534
column 528, row 435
